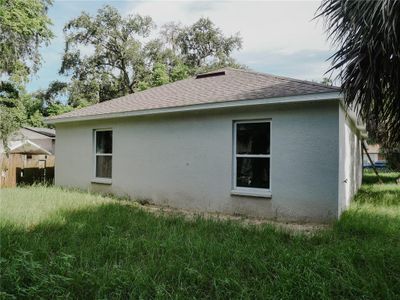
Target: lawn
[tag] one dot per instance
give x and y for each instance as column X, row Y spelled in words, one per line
column 70, row 244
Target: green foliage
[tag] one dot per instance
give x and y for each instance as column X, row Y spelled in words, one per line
column 11, row 119
column 113, row 66
column 143, row 85
column 327, row 81
column 159, row 75
column 108, row 55
column 179, row 72
column 17, row 108
column 392, row 156
column 202, row 44
column 367, row 35
column 24, row 27
column 57, row 242
column 55, row 90
column 58, row 109
column 118, row 59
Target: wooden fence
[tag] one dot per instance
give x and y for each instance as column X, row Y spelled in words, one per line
column 26, row 169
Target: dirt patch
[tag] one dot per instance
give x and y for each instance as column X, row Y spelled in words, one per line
column 292, row 227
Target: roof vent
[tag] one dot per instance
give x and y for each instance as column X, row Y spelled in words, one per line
column 211, row 74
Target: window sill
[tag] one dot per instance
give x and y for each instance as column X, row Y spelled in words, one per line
column 102, row 180
column 252, row 193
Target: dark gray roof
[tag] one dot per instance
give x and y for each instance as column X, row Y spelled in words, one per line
column 231, row 85
column 42, row 130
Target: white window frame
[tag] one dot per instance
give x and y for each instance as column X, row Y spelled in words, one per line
column 245, row 191
column 95, row 155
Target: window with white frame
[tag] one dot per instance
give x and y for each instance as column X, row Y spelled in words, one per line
column 103, row 153
column 252, row 156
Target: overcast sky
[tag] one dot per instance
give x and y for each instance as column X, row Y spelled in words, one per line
column 279, row 37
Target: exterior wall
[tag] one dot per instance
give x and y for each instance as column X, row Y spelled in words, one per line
column 185, row 160
column 350, row 160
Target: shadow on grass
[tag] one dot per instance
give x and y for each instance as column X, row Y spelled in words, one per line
column 390, row 177
column 389, row 197
column 119, row 251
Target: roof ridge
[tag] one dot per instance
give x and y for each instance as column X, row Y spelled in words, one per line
column 250, row 71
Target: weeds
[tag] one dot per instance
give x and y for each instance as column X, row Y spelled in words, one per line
column 58, row 243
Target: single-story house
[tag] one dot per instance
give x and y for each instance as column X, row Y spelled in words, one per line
column 229, row 141
column 29, row 157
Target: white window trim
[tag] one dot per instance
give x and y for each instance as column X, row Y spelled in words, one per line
column 245, row 191
column 101, row 180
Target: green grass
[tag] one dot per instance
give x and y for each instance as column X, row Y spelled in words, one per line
column 25, row 207
column 68, row 244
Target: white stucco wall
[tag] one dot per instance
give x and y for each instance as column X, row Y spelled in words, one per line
column 185, row 160
column 350, row 160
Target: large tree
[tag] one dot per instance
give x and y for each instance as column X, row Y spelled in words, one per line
column 367, row 34
column 104, row 54
column 24, row 28
column 202, row 44
column 109, row 55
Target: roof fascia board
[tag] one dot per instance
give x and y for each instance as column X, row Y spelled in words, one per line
column 204, row 106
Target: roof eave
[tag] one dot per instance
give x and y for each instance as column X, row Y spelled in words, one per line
column 203, row 106
column 38, row 149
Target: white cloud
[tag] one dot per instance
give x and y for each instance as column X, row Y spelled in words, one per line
column 279, row 37
column 282, row 26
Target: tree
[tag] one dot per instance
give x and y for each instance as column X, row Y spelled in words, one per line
column 203, row 41
column 201, row 45
column 24, row 28
column 327, row 81
column 109, row 56
column 11, row 112
column 115, row 63
column 368, row 59
column 49, row 96
column 50, row 99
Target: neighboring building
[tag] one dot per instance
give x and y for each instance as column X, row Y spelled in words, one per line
column 30, row 157
column 230, row 141
column 374, row 151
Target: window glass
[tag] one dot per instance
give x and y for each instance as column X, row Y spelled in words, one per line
column 104, row 141
column 103, row 166
column 253, row 138
column 252, row 172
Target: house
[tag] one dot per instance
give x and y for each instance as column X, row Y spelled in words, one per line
column 229, row 141
column 374, row 151
column 30, row 157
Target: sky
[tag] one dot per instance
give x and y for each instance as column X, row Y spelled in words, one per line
column 279, row 37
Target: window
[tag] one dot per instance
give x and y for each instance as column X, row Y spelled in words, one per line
column 103, row 153
column 252, row 155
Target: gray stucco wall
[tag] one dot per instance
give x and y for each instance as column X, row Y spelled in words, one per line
column 350, row 160
column 185, row 160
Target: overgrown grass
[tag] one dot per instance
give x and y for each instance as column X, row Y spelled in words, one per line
column 96, row 247
column 29, row 206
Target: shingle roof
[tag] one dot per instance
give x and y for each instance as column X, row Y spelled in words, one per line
column 234, row 85
column 42, row 130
